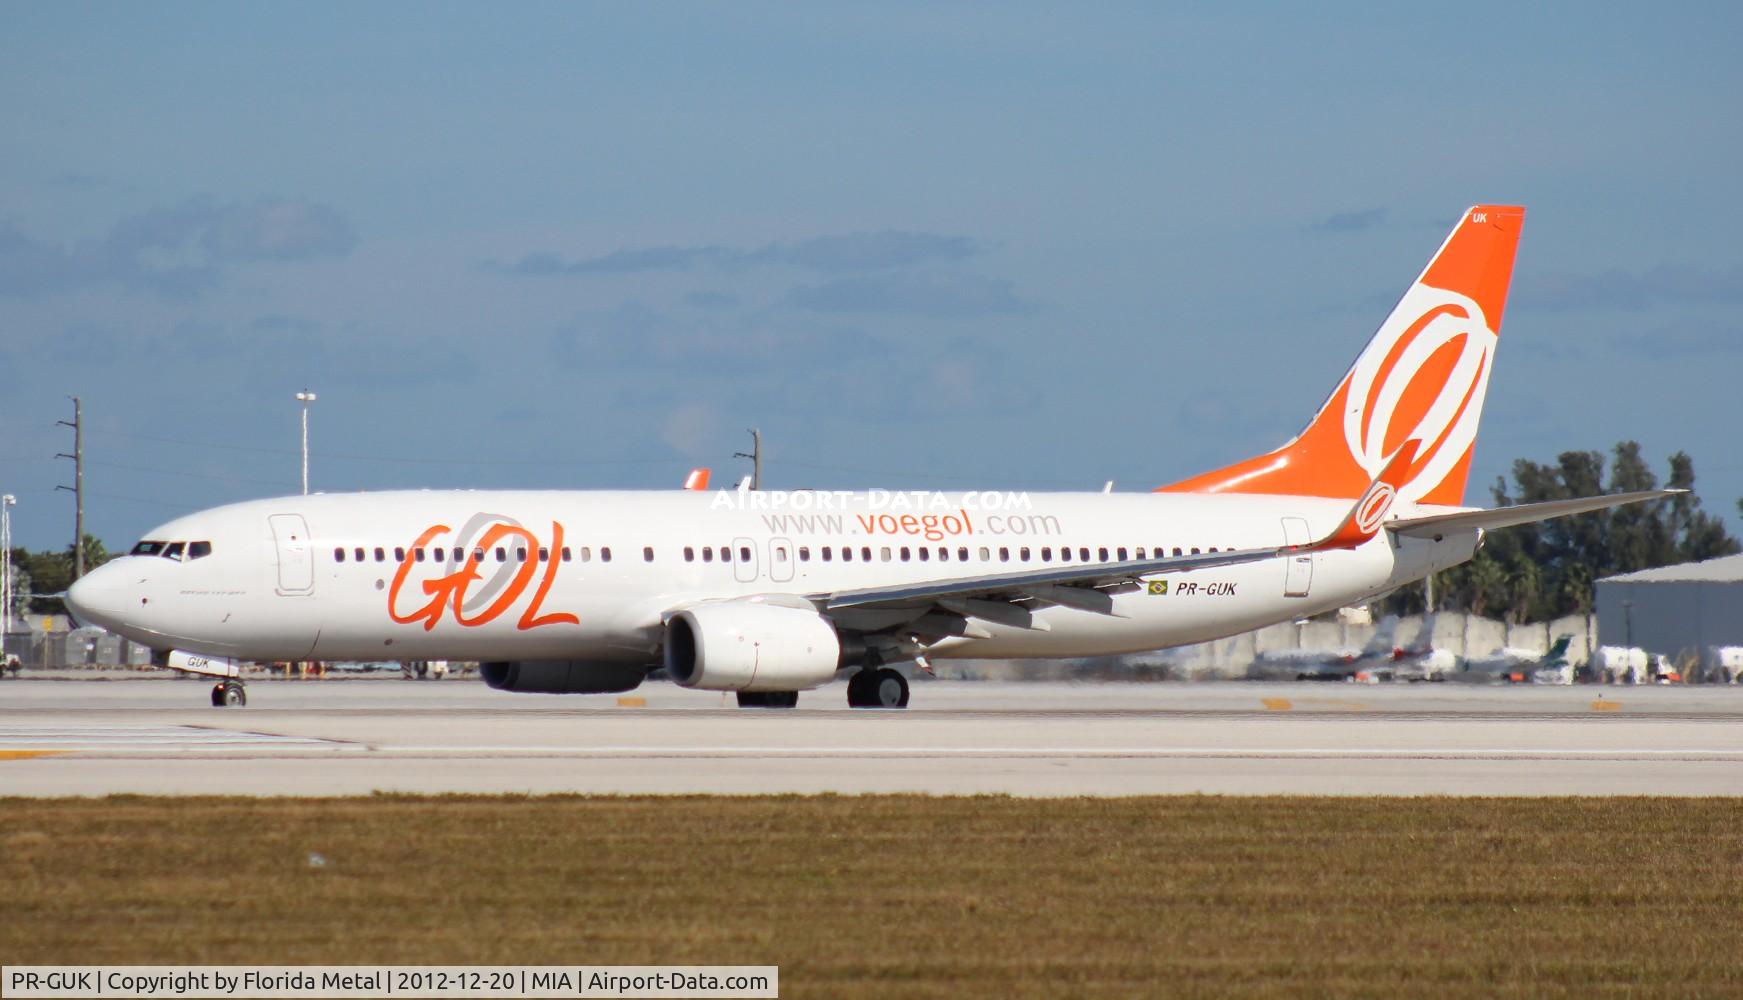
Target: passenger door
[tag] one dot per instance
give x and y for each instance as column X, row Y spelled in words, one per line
column 296, row 564
column 1298, row 577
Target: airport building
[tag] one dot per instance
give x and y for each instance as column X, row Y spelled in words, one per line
column 1688, row 612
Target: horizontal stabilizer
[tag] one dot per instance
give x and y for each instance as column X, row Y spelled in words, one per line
column 1527, row 513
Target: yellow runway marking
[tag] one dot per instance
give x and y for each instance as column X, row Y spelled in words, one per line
column 1606, row 706
column 632, row 703
column 1278, row 704
column 28, row 754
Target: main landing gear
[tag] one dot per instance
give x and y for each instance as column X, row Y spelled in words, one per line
column 877, row 687
column 768, row 699
column 228, row 694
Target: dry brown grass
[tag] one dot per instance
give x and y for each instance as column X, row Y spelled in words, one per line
column 905, row 896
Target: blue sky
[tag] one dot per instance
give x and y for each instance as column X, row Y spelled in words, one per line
column 919, row 245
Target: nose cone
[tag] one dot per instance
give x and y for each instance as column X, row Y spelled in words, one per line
column 98, row 598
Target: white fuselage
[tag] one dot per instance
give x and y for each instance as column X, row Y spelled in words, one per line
column 357, row 576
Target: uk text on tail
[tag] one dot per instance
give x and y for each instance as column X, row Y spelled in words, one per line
column 1422, row 377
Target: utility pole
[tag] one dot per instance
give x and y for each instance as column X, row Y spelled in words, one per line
column 305, row 397
column 78, row 487
column 756, row 458
column 6, row 503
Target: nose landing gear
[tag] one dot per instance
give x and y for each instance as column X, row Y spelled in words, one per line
column 226, row 694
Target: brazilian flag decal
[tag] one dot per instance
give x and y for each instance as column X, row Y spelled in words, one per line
column 1159, row 588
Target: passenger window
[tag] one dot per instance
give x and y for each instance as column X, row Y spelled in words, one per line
column 689, row 553
column 380, row 554
column 726, row 553
column 1046, row 553
column 440, row 555
column 544, row 554
column 962, row 553
column 477, row 555
column 604, row 554
column 501, row 554
column 565, row 553
column 847, row 553
column 865, row 554
column 906, row 555
column 399, row 554
column 1024, row 553
column 1083, row 554
column 780, row 553
column 885, row 553
column 358, row 552
column 418, row 555
column 459, row 554
column 744, row 553
column 338, row 554
column 925, row 554
column 586, row 553
column 1064, row 553
column 804, row 553
column 943, row 554
column 828, row 553
column 1141, row 552
column 199, row 550
column 520, row 554
column 1121, row 554
column 175, row 551
column 707, row 553
column 1176, row 550
column 647, row 553
column 1195, row 550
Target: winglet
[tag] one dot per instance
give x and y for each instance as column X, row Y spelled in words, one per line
column 1365, row 518
column 696, row 480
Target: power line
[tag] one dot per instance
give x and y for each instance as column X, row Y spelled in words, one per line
column 343, row 456
column 154, row 503
column 191, row 475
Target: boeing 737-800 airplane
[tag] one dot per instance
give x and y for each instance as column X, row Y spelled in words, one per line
column 769, row 594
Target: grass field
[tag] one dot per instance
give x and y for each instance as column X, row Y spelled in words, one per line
column 907, row 896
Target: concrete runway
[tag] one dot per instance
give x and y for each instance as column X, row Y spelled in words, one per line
column 354, row 736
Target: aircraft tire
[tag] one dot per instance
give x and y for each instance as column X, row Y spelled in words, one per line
column 768, row 699
column 888, row 689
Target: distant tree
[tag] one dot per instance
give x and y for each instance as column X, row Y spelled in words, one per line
column 22, row 586
column 51, row 572
column 1545, row 570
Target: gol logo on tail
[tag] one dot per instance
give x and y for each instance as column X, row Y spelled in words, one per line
column 450, row 591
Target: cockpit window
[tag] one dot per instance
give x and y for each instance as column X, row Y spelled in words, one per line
column 199, row 550
column 174, row 551
column 147, row 548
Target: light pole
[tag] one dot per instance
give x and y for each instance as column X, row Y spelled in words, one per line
column 305, row 397
column 6, row 503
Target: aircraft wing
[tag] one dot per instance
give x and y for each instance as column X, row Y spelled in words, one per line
column 1526, row 513
column 1086, row 586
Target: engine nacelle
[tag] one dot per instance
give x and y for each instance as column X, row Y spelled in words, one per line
column 750, row 646
column 563, row 676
